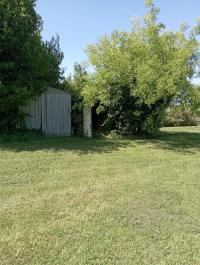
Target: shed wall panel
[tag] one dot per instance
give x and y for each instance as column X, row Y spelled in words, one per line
column 51, row 112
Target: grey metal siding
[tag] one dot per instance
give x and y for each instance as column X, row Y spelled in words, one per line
column 51, row 112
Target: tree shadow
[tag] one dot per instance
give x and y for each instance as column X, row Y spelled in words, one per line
column 178, row 141
column 79, row 145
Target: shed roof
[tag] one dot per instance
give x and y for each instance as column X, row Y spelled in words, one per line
column 51, row 90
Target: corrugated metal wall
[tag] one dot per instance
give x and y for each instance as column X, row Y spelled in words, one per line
column 51, row 113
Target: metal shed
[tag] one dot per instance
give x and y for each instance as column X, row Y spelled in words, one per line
column 51, row 113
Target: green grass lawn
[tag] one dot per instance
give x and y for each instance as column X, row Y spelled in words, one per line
column 101, row 201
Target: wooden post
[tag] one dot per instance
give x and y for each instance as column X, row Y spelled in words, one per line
column 87, row 121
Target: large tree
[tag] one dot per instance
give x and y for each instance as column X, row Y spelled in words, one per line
column 27, row 64
column 138, row 73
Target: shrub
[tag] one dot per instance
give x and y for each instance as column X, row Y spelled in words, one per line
column 176, row 117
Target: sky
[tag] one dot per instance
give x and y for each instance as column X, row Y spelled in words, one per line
column 80, row 22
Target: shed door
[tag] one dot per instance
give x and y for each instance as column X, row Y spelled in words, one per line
column 57, row 120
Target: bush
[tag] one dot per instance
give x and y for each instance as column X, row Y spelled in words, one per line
column 20, row 136
column 176, row 117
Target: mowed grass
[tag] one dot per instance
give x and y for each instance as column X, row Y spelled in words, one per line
column 101, row 201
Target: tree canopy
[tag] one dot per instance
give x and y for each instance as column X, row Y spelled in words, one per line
column 138, row 73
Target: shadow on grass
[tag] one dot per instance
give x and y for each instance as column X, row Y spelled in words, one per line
column 179, row 141
column 184, row 142
column 79, row 145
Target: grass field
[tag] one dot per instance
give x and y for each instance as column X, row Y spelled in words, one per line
column 101, row 201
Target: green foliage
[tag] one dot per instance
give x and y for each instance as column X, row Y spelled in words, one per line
column 138, row 73
column 184, row 110
column 176, row 116
column 75, row 85
column 20, row 135
column 27, row 64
